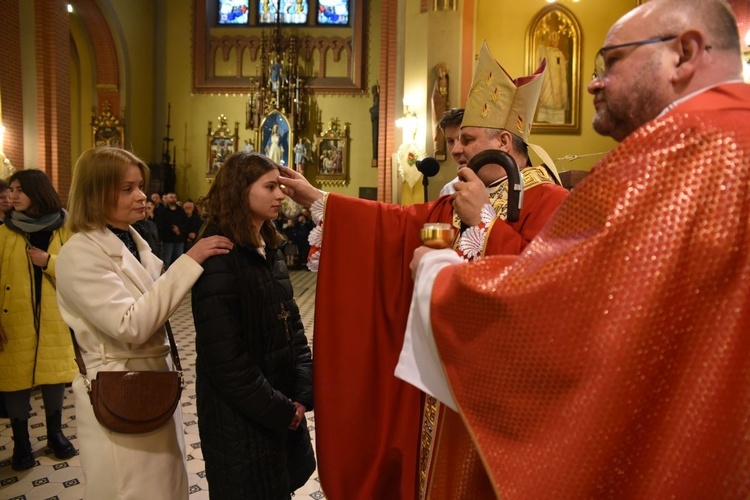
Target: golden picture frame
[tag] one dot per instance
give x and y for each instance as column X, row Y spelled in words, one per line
column 107, row 129
column 555, row 35
column 221, row 143
column 333, row 154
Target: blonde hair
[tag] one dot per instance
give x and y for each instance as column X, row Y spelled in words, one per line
column 95, row 186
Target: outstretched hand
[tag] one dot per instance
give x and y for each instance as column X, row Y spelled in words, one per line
column 208, row 247
column 469, row 198
column 295, row 186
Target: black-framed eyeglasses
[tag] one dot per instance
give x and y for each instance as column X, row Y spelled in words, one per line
column 599, row 65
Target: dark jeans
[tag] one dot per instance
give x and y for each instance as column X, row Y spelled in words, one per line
column 171, row 251
column 17, row 402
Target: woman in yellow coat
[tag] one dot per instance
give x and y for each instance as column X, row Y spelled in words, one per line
column 35, row 344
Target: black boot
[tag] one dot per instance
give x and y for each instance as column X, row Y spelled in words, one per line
column 56, row 440
column 23, row 457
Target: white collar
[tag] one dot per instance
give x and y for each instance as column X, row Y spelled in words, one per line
column 690, row 96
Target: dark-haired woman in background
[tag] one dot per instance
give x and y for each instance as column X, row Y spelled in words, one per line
column 35, row 345
column 254, row 367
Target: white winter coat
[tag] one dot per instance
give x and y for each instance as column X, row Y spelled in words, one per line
column 117, row 309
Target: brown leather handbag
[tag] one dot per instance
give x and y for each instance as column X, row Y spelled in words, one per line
column 134, row 402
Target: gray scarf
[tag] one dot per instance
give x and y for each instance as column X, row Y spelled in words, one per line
column 22, row 223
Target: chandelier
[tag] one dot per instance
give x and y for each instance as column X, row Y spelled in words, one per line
column 279, row 84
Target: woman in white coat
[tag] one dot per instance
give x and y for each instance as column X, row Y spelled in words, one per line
column 112, row 295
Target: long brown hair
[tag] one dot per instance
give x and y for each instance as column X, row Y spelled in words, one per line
column 38, row 187
column 227, row 204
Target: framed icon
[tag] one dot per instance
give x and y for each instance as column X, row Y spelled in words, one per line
column 555, row 35
column 221, row 144
column 333, row 154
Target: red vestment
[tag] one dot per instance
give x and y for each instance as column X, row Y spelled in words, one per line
column 611, row 358
column 368, row 421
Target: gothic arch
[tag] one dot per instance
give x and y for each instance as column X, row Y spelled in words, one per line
column 106, row 58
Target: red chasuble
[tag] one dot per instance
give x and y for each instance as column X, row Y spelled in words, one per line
column 611, row 359
column 367, row 421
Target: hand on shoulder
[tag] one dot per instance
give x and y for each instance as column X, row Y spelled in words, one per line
column 208, row 247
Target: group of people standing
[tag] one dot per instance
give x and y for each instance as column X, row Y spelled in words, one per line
column 594, row 347
column 297, row 231
column 603, row 356
column 170, row 227
column 87, row 270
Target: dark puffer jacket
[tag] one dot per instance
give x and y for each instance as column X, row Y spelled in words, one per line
column 251, row 364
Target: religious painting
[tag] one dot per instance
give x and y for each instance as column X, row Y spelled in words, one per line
column 275, row 138
column 332, row 154
column 555, row 35
column 221, row 144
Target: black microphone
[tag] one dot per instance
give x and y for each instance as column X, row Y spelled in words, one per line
column 429, row 167
column 515, row 181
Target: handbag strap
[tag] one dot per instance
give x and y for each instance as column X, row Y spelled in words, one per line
column 172, row 349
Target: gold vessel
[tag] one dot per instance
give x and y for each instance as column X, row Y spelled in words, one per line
column 437, row 235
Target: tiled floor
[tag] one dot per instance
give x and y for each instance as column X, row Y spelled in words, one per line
column 63, row 480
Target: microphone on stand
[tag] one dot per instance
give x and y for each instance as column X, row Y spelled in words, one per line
column 429, row 167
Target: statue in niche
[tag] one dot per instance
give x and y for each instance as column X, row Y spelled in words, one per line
column 440, row 104
column 302, row 154
column 274, row 151
column 374, row 117
column 275, row 74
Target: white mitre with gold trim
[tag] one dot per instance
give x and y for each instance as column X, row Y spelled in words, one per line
column 498, row 101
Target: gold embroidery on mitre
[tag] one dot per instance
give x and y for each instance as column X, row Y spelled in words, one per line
column 504, row 98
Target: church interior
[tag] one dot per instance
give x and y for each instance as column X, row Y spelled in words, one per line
column 169, row 81
column 184, row 83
